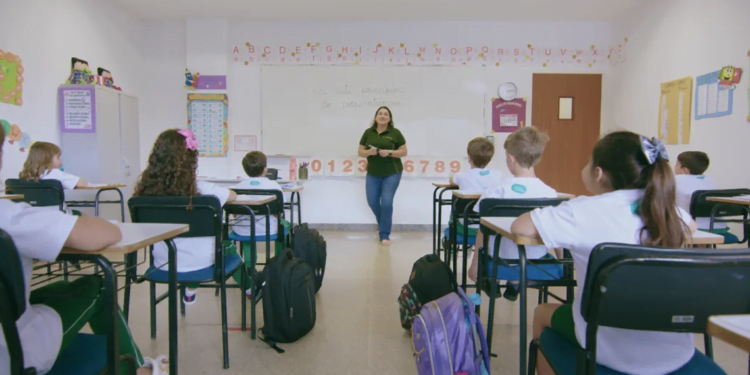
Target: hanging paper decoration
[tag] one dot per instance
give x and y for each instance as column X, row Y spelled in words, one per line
column 729, row 77
column 15, row 136
column 11, row 78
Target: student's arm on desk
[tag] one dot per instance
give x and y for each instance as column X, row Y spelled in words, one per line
column 232, row 196
column 92, row 233
column 523, row 226
column 81, row 183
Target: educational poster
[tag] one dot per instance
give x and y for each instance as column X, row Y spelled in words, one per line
column 208, row 119
column 11, row 78
column 245, row 143
column 77, row 110
column 711, row 98
column 675, row 112
column 414, row 166
column 212, row 82
column 509, row 116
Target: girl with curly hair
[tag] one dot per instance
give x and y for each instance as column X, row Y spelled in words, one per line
column 171, row 171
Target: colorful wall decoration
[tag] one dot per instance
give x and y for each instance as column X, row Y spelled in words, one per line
column 508, row 116
column 15, row 136
column 258, row 53
column 208, row 118
column 11, row 78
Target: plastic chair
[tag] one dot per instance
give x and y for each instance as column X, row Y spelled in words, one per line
column 42, row 193
column 86, row 355
column 633, row 287
column 531, row 273
column 718, row 212
column 204, row 218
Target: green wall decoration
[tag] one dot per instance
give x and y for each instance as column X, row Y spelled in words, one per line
column 11, row 78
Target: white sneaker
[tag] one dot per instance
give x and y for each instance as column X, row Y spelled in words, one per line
column 158, row 366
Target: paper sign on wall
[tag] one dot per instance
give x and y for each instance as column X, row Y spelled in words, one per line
column 77, row 110
column 711, row 98
column 414, row 166
column 207, row 118
column 675, row 112
column 245, row 143
column 508, row 116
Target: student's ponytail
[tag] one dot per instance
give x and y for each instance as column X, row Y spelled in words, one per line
column 662, row 225
column 631, row 161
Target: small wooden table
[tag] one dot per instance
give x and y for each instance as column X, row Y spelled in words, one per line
column 100, row 188
column 734, row 329
column 743, row 200
column 292, row 203
column 134, row 238
column 11, row 196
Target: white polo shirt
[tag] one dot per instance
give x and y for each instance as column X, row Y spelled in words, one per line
column 37, row 234
column 581, row 224
column 518, row 188
column 687, row 184
column 193, row 253
column 68, row 180
column 242, row 225
column 478, row 179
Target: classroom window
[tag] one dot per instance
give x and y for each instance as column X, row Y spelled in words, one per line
column 566, row 109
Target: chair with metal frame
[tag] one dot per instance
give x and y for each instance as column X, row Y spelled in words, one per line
column 530, row 273
column 203, row 215
column 461, row 209
column 718, row 212
column 87, row 354
column 651, row 289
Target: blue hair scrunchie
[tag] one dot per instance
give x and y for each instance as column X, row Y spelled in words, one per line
column 653, row 149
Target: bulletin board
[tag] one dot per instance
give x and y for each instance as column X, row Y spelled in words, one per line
column 675, row 104
column 208, row 119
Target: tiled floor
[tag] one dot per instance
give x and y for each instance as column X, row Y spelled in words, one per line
column 357, row 330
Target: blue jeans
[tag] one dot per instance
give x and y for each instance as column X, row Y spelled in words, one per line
column 380, row 192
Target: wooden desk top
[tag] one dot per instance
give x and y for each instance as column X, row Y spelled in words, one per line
column 101, row 186
column 11, row 196
column 463, row 194
column 444, row 185
column 565, row 195
column 252, row 200
column 734, row 329
column 502, row 225
column 742, row 199
column 295, row 189
column 136, row 237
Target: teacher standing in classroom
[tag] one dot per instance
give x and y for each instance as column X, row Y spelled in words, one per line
column 383, row 145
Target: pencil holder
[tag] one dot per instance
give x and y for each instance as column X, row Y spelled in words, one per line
column 303, row 173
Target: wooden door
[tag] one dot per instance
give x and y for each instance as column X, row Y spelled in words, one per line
column 571, row 141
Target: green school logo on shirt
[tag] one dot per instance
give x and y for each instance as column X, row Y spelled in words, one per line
column 701, row 177
column 635, row 208
column 518, row 188
column 254, row 183
column 484, row 173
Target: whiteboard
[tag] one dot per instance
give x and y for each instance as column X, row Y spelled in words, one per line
column 324, row 110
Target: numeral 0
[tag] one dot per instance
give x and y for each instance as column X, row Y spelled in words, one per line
column 316, row 165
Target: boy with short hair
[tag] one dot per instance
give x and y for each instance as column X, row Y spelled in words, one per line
column 523, row 151
column 689, row 178
column 254, row 164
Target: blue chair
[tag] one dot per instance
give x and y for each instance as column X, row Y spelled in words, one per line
column 632, row 287
column 530, row 273
column 722, row 212
column 203, row 215
column 86, row 355
column 274, row 208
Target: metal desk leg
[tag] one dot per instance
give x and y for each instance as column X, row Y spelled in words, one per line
column 435, row 230
column 173, row 350
column 523, row 292
column 493, row 292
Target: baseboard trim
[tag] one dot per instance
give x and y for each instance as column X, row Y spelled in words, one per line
column 371, row 227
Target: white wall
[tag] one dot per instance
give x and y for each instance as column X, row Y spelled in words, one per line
column 670, row 39
column 334, row 200
column 46, row 34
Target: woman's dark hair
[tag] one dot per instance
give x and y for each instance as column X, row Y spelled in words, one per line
column 171, row 169
column 625, row 165
column 390, row 115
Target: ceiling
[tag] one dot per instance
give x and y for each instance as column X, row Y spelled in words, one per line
column 382, row 10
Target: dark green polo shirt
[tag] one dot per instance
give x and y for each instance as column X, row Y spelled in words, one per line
column 391, row 139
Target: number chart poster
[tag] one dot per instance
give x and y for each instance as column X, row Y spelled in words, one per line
column 675, row 111
column 414, row 166
column 208, row 119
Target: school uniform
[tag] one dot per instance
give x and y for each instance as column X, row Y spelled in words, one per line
column 686, row 185
column 68, row 180
column 518, row 188
column 242, row 225
column 580, row 225
column 478, row 180
column 193, row 253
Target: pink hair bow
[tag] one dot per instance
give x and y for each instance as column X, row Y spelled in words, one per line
column 190, row 141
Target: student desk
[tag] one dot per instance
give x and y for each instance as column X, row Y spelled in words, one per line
column 11, row 196
column 100, row 188
column 501, row 226
column 734, row 329
column 437, row 212
column 743, row 200
column 291, row 204
column 134, row 238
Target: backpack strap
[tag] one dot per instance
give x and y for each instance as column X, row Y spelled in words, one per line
column 270, row 343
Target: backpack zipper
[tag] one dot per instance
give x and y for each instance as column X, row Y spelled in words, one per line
column 445, row 330
column 429, row 345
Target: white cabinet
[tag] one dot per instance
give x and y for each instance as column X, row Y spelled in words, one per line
column 111, row 152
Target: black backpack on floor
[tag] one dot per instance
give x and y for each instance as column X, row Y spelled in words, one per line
column 310, row 246
column 431, row 279
column 288, row 299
